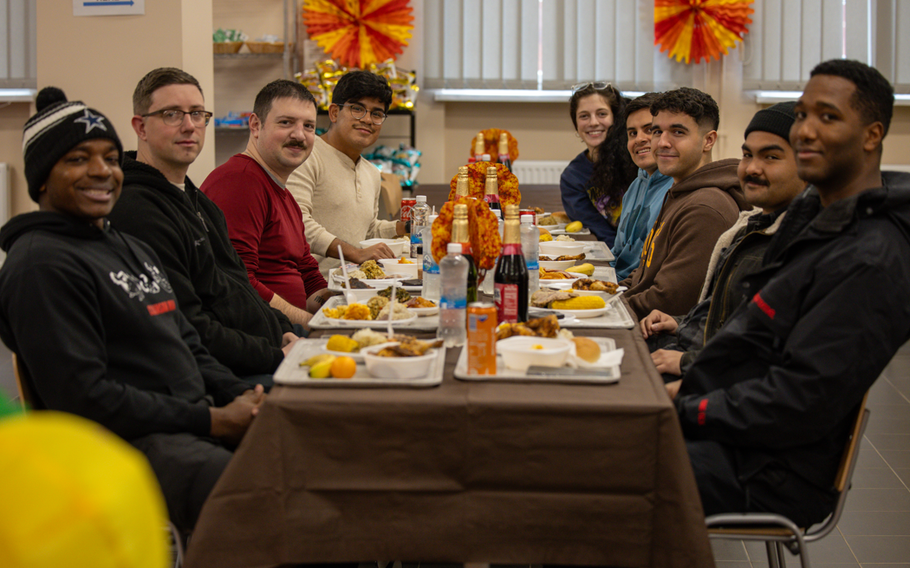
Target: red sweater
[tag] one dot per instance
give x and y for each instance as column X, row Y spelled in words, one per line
column 266, row 228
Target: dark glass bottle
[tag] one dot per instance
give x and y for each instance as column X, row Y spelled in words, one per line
column 461, row 234
column 491, row 189
column 511, row 277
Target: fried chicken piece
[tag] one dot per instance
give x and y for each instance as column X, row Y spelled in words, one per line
column 571, row 257
column 409, row 347
column 546, row 326
column 543, row 297
column 595, row 285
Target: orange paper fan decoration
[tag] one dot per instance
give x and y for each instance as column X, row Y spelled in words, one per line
column 359, row 32
column 477, row 178
column 700, row 29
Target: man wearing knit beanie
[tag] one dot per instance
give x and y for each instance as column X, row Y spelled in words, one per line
column 767, row 173
column 94, row 320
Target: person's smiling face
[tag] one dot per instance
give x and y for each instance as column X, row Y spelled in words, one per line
column 593, row 119
column 828, row 133
column 356, row 133
column 767, row 171
column 284, row 137
column 638, row 131
column 85, row 182
column 678, row 144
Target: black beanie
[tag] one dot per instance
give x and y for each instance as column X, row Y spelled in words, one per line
column 775, row 119
column 57, row 128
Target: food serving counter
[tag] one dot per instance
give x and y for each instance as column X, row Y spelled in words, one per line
column 462, row 472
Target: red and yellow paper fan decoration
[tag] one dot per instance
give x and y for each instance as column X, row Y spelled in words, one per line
column 483, row 227
column 700, row 29
column 477, row 175
column 359, row 32
column 491, row 144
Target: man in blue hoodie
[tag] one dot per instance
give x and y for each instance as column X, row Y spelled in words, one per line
column 641, row 203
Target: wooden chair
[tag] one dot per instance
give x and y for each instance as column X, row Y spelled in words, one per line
column 777, row 530
column 27, row 399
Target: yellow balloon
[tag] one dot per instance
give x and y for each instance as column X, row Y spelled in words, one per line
column 74, row 494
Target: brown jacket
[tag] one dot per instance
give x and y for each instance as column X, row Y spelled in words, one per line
column 675, row 256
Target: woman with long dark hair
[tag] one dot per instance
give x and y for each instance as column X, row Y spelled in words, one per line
column 592, row 185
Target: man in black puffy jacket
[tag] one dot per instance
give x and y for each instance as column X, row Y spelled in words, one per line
column 767, row 404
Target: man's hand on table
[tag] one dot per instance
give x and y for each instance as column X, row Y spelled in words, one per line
column 667, row 361
column 287, row 342
column 657, row 322
column 230, row 422
column 375, row 252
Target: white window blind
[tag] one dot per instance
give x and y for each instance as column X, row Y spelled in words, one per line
column 788, row 38
column 892, row 43
column 547, row 44
column 18, row 45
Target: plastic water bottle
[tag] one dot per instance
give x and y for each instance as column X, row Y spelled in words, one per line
column 530, row 247
column 419, row 213
column 430, row 289
column 453, row 302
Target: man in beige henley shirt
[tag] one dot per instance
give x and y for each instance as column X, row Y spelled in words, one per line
column 338, row 190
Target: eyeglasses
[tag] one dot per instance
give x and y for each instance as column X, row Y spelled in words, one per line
column 174, row 117
column 597, row 85
column 358, row 111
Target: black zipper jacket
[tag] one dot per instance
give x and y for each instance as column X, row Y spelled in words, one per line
column 827, row 311
column 189, row 234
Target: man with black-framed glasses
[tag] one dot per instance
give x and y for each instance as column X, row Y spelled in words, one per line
column 163, row 207
column 337, row 190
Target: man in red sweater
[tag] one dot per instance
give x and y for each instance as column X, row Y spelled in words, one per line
column 264, row 221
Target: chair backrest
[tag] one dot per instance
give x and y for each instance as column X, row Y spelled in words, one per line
column 23, row 383
column 852, row 450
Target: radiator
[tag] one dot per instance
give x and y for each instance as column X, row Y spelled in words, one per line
column 542, row 172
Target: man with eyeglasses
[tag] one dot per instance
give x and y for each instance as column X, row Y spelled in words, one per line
column 338, row 190
column 161, row 206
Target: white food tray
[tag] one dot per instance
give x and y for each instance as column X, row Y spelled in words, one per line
column 616, row 317
column 321, row 321
column 291, row 373
column 510, row 375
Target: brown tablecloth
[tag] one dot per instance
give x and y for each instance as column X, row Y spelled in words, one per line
column 465, row 472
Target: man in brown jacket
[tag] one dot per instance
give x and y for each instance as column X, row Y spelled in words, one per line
column 703, row 202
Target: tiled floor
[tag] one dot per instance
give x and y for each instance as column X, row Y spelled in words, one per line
column 874, row 530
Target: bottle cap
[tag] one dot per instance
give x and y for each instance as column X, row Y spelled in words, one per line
column 453, row 248
column 420, row 198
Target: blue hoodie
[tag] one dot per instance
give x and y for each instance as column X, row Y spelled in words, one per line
column 640, row 208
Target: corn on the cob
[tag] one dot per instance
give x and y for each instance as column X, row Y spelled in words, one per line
column 579, row 303
column 342, row 343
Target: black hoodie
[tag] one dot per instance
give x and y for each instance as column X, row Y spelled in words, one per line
column 91, row 315
column 780, row 382
column 189, row 234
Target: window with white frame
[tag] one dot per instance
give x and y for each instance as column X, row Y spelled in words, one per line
column 18, row 45
column 553, row 44
column 545, row 44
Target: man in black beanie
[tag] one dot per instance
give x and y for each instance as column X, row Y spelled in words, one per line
column 767, row 173
column 94, row 320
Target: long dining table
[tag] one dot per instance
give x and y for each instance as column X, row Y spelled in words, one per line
column 463, row 472
column 467, row 471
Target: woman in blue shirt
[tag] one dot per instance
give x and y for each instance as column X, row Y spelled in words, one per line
column 593, row 183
